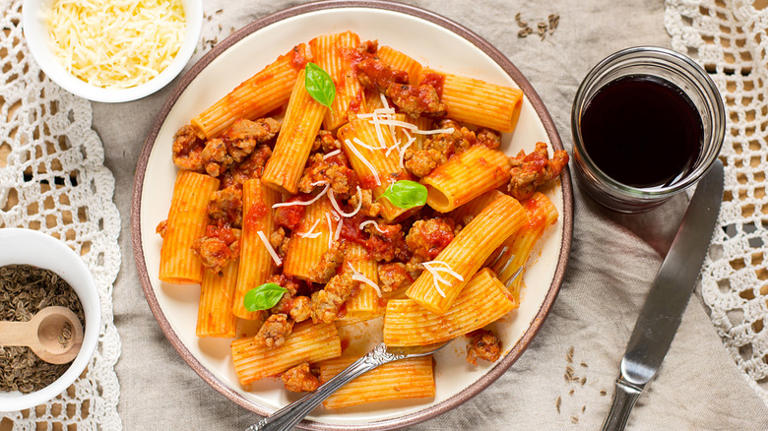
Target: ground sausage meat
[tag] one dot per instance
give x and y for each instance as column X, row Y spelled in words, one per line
column 279, row 240
column 274, row 331
column 219, row 246
column 215, row 158
column 368, row 207
column 226, row 206
column 300, row 379
column 414, row 100
column 534, row 170
column 427, row 238
column 329, row 262
column 248, row 169
column 393, row 276
column 243, row 136
column 483, row 344
column 187, row 149
column 438, row 148
column 326, row 142
column 327, row 302
column 386, row 242
column 333, row 171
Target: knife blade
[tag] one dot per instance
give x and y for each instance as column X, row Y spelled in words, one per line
column 663, row 309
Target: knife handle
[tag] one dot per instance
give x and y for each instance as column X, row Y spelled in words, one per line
column 623, row 400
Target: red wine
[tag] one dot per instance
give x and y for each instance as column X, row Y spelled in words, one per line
column 642, row 131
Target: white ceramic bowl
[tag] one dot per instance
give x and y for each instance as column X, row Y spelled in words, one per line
column 36, row 34
column 24, row 246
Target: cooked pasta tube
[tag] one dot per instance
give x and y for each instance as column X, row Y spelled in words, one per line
column 399, row 61
column 483, row 301
column 466, row 176
column 186, row 222
column 294, row 142
column 217, row 294
column 256, row 262
column 376, row 169
column 541, row 214
column 442, row 281
column 264, row 92
column 366, row 299
column 403, row 379
column 308, row 343
column 331, row 53
column 305, row 249
column 477, row 102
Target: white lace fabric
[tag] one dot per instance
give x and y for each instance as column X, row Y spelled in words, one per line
column 728, row 37
column 53, row 179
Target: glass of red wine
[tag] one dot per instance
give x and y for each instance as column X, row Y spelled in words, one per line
column 647, row 123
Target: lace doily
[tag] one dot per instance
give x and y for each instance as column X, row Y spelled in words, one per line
column 728, row 37
column 52, row 179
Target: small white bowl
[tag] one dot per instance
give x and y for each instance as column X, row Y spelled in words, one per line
column 36, row 34
column 24, row 246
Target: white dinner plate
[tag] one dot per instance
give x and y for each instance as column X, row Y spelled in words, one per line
column 435, row 42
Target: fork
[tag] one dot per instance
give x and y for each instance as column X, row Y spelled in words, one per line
column 287, row 417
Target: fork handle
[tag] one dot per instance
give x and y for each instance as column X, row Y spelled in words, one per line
column 623, row 400
column 287, row 417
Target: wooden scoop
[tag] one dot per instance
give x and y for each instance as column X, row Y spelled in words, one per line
column 54, row 334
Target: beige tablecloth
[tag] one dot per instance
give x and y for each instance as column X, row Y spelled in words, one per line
column 608, row 276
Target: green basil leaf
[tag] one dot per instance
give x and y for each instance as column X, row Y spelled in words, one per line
column 406, row 194
column 319, row 84
column 263, row 297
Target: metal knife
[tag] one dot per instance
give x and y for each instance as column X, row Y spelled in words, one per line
column 660, row 317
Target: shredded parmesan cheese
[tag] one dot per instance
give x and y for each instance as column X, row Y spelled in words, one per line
column 373, row 222
column 331, row 154
column 339, row 225
column 330, row 229
column 433, row 132
column 112, row 44
column 437, row 279
column 357, row 276
column 305, row 203
column 310, row 233
column 271, row 250
column 445, row 268
column 364, row 160
column 335, row 205
column 364, row 145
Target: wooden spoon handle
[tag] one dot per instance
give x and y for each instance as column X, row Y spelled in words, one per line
column 16, row 334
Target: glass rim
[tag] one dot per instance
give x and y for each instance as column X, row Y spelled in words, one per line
column 697, row 73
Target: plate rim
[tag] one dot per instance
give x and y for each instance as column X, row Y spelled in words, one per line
column 502, row 61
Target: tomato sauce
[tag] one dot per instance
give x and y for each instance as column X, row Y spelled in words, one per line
column 436, row 80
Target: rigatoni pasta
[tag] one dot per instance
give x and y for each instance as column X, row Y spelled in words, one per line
column 483, row 301
column 466, row 253
column 405, row 379
column 256, row 263
column 465, row 177
column 264, row 92
column 481, row 103
column 308, row 343
column 186, row 222
column 333, row 54
column 294, row 143
column 305, row 249
column 217, row 295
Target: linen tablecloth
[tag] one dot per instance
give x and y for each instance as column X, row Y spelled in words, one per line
column 565, row 378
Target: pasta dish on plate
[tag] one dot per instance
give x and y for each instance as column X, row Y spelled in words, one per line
column 346, row 182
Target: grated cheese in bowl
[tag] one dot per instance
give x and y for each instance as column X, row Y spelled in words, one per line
column 116, row 44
